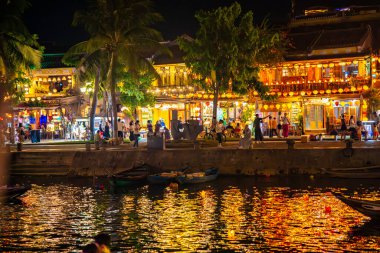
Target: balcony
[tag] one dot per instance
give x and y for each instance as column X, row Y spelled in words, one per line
column 319, row 88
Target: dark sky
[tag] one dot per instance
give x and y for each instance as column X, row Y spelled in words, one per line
column 51, row 19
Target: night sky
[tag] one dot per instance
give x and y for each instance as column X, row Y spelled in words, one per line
column 51, row 19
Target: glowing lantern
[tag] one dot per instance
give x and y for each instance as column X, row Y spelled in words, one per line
column 223, row 95
column 266, row 107
column 336, row 103
column 353, row 89
column 327, row 209
column 319, row 65
column 284, row 94
column 322, row 91
column 365, row 106
column 308, row 92
column 360, row 88
column 307, row 65
column 346, row 89
column 340, row 90
column 180, row 96
column 328, row 91
column 231, row 234
column 271, row 106
column 355, row 62
column 325, row 65
column 342, row 63
column 279, row 93
column 199, row 95
column 283, row 106
column 211, row 96
column 315, row 92
column 342, row 104
column 278, row 106
column 365, row 87
column 289, row 106
column 331, row 65
column 357, row 103
column 291, row 93
column 303, row 93
column 205, row 96
column 334, row 91
column 272, row 93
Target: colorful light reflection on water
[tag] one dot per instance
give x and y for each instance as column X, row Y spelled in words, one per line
column 207, row 218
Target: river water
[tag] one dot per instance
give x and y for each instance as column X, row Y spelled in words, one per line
column 231, row 214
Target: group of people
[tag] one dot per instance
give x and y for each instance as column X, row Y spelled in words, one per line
column 101, row 244
column 355, row 128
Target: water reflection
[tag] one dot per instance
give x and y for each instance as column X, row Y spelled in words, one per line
column 63, row 217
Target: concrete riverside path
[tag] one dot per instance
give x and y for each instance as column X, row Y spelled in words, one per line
column 269, row 158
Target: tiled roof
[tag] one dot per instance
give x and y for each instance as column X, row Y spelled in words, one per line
column 176, row 57
column 52, row 61
column 341, row 38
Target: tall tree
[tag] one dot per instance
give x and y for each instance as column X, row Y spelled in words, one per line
column 19, row 50
column 92, row 64
column 122, row 28
column 134, row 91
column 228, row 49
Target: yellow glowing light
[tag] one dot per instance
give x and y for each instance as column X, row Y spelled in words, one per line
column 353, row 89
column 365, row 87
column 315, row 92
column 211, row 96
column 303, row 93
column 328, row 91
column 278, row 106
column 340, row 90
column 279, row 93
column 291, row 93
column 266, row 107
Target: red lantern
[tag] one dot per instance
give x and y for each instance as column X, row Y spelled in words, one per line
column 336, row 103
column 327, row 209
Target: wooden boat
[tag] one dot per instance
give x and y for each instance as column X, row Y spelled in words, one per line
column 164, row 177
column 360, row 172
column 130, row 177
column 368, row 208
column 8, row 193
column 198, row 177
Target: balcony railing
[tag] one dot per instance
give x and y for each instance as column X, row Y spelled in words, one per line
column 314, row 88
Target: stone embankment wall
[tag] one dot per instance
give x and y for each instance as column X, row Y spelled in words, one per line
column 229, row 161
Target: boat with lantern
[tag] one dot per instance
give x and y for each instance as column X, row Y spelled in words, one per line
column 366, row 207
column 198, row 177
column 8, row 193
column 356, row 172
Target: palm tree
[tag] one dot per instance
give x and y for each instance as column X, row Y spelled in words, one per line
column 90, row 63
column 19, row 50
column 121, row 29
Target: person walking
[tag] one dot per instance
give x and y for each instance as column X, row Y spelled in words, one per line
column 272, row 126
column 107, row 131
column 279, row 125
column 131, row 130
column 343, row 127
column 257, row 125
column 150, row 128
column 136, row 133
column 219, row 130
column 285, row 125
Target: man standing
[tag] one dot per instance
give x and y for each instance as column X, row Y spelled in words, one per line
column 120, row 130
column 272, row 126
column 257, row 125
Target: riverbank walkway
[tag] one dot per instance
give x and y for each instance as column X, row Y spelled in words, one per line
column 231, row 144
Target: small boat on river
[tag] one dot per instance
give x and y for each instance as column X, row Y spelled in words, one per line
column 164, row 177
column 198, row 177
column 8, row 193
column 130, row 177
column 366, row 207
column 360, row 172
